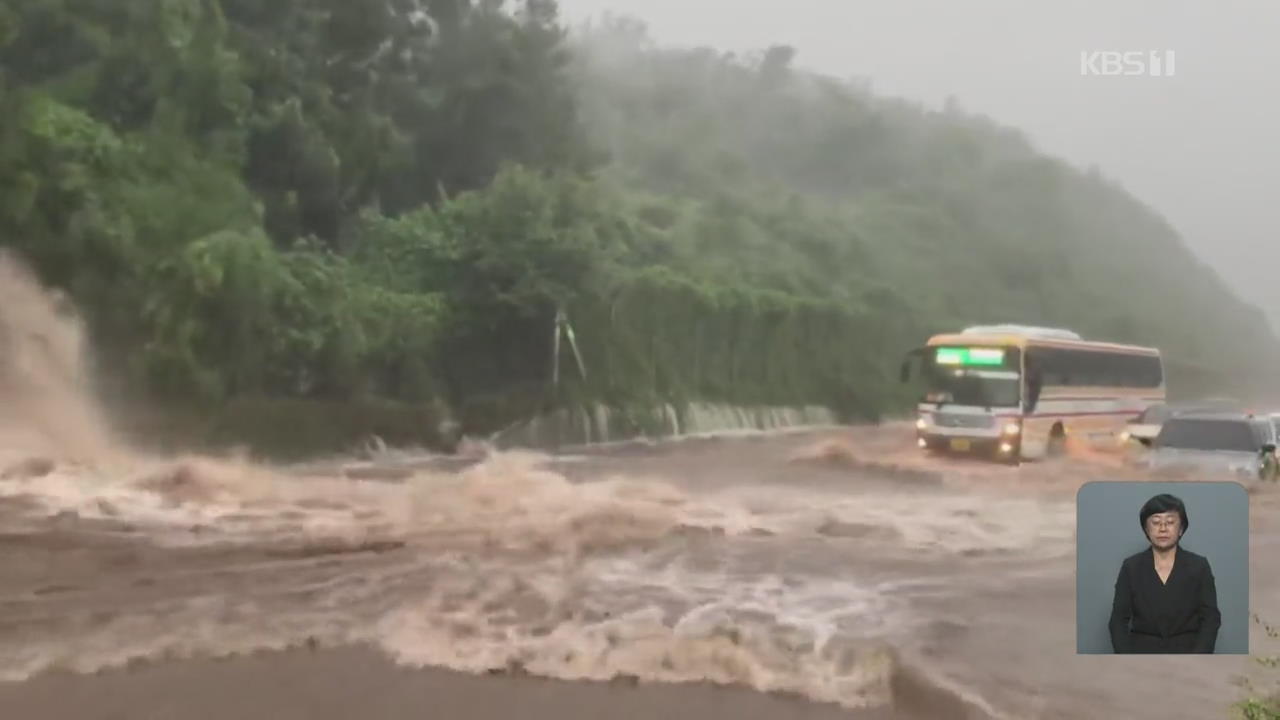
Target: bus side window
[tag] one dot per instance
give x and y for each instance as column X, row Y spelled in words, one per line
column 1071, row 367
column 1115, row 370
column 1104, row 374
column 1043, row 361
column 1100, row 372
column 1127, row 370
column 1155, row 372
column 1086, row 368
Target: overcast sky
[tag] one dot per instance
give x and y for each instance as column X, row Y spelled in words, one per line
column 1201, row 147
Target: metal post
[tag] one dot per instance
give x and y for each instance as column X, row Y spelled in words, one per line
column 555, row 353
column 573, row 344
column 563, row 326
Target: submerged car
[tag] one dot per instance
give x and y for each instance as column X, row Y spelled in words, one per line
column 1144, row 428
column 1274, row 419
column 1233, row 442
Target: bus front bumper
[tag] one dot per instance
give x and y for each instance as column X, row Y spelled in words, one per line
column 998, row 447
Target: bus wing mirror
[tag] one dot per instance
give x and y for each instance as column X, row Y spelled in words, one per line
column 904, row 372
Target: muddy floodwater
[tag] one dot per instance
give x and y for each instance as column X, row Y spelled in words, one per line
column 839, row 568
column 811, row 575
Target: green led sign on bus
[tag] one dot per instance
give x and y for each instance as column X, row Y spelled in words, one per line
column 970, row 356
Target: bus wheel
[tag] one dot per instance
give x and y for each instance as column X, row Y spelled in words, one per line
column 1057, row 442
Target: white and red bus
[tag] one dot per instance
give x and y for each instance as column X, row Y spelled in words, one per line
column 1016, row 392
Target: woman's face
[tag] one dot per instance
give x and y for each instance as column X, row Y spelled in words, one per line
column 1164, row 530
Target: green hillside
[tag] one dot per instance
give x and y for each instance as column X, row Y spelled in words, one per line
column 959, row 216
column 328, row 205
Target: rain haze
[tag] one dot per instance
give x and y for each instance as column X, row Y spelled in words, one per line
column 344, row 373
column 1197, row 146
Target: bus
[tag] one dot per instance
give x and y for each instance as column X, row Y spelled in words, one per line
column 1014, row 392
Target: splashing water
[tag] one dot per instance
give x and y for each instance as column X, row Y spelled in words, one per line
column 506, row 565
column 44, row 379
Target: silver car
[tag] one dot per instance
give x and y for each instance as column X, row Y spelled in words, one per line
column 1232, row 442
column 1144, row 428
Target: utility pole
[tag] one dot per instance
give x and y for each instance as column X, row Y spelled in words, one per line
column 562, row 327
column 555, row 349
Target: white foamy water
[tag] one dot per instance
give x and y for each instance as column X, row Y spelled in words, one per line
column 509, row 565
column 513, row 500
column 936, row 522
column 654, row 617
column 671, row 624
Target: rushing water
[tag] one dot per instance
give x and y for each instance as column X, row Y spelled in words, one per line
column 827, row 565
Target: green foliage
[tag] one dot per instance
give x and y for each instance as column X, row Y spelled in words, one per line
column 1262, row 703
column 963, row 219
column 362, row 201
column 203, row 175
column 208, row 317
column 662, row 336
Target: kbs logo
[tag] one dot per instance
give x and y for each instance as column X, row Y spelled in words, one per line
column 1152, row 63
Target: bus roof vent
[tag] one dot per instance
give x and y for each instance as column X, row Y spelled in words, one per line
column 1023, row 330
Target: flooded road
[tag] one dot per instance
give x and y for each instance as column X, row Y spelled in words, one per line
column 838, row 567
column 809, row 575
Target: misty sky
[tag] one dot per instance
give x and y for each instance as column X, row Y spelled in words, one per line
column 1201, row 147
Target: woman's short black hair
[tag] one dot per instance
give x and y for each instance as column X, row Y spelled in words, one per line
column 1162, row 503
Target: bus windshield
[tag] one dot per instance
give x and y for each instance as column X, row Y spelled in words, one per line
column 985, row 377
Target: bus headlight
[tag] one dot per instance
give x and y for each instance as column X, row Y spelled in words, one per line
column 1006, row 447
column 1012, row 428
column 921, row 423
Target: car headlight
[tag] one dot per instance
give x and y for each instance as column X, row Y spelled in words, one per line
column 921, row 423
column 1012, row 428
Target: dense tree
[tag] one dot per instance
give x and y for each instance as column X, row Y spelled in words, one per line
column 962, row 217
column 395, row 198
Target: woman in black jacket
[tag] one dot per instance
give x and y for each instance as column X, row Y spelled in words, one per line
column 1165, row 600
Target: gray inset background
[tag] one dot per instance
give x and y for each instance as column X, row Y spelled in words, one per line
column 1107, row 531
